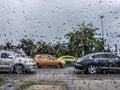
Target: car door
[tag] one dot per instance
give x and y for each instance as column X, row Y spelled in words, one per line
column 101, row 60
column 7, row 61
column 52, row 60
column 114, row 61
column 40, row 60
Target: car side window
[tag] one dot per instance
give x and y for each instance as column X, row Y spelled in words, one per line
column 113, row 57
column 99, row 56
column 41, row 57
column 48, row 57
column 4, row 55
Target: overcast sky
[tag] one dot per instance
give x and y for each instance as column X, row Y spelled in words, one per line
column 48, row 19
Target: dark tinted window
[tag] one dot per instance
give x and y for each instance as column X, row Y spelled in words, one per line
column 4, row 55
column 67, row 58
column 114, row 57
column 99, row 56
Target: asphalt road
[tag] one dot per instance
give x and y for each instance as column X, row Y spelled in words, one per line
column 66, row 76
column 64, row 73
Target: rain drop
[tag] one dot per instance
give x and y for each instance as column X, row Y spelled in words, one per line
column 110, row 3
column 100, row 2
column 49, row 26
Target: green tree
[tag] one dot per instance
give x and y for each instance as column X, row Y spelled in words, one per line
column 28, row 46
column 84, row 40
column 60, row 49
column 44, row 48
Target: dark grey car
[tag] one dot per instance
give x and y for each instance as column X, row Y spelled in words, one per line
column 97, row 62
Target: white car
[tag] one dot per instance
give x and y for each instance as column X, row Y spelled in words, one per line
column 15, row 62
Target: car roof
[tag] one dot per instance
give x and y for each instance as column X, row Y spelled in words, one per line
column 100, row 53
column 6, row 51
column 95, row 53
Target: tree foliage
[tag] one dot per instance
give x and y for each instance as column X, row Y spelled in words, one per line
column 83, row 41
column 28, row 46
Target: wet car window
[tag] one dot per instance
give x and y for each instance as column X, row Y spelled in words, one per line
column 99, row 56
column 18, row 55
column 41, row 57
column 4, row 55
column 67, row 58
column 48, row 57
column 114, row 57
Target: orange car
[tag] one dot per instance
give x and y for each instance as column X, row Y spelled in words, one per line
column 48, row 60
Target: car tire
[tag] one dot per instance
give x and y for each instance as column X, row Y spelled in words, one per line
column 59, row 65
column 19, row 69
column 92, row 69
column 39, row 66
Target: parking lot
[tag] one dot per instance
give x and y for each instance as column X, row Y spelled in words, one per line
column 67, row 78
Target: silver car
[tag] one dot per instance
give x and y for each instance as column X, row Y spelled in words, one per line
column 14, row 62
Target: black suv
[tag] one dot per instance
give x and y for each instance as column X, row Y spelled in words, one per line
column 97, row 62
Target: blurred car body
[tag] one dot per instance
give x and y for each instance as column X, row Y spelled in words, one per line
column 48, row 60
column 14, row 61
column 70, row 60
column 97, row 62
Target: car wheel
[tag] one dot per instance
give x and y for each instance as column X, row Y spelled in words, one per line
column 92, row 69
column 59, row 65
column 19, row 69
column 38, row 65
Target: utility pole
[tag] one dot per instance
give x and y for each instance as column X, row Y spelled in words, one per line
column 101, row 17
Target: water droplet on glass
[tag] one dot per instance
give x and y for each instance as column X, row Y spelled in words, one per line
column 100, row 10
column 116, row 18
column 21, row 0
column 60, row 10
column 100, row 2
column 53, row 12
column 111, row 13
column 110, row 3
column 49, row 26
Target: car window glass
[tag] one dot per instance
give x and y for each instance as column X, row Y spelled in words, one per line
column 48, row 57
column 67, row 58
column 99, row 56
column 4, row 55
column 88, row 57
column 116, row 57
column 109, row 56
column 18, row 55
column 113, row 57
column 41, row 57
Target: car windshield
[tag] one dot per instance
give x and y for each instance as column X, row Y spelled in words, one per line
column 18, row 55
column 68, row 58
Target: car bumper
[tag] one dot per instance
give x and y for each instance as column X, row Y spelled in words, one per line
column 31, row 67
column 79, row 67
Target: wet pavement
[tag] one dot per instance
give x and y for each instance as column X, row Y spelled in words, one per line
column 65, row 76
